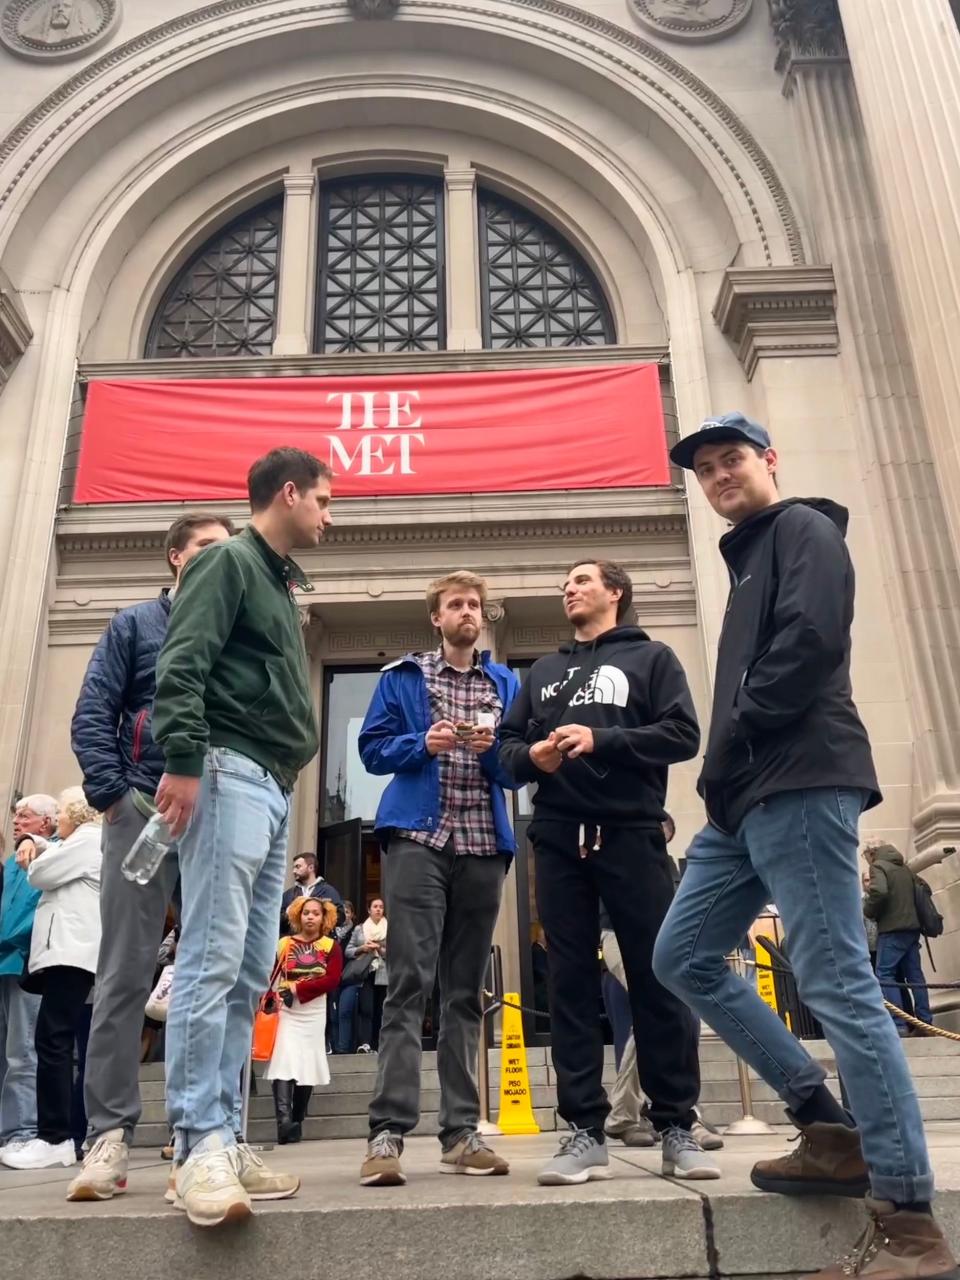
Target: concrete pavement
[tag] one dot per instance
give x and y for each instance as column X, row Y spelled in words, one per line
column 637, row 1225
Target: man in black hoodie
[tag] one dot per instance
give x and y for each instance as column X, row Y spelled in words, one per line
column 787, row 773
column 596, row 726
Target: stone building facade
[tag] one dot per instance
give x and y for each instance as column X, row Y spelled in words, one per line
column 721, row 186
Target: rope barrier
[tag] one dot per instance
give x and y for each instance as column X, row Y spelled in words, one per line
column 927, row 1027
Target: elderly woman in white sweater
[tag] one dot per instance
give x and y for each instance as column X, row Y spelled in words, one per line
column 63, row 962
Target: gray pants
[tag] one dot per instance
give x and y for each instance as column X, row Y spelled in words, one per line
column 441, row 911
column 626, row 1100
column 132, row 916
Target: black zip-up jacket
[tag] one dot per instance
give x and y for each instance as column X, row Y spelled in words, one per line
column 632, row 692
column 783, row 712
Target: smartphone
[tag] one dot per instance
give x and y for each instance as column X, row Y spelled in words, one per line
column 464, row 729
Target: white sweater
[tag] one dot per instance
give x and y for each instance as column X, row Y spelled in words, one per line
column 66, row 928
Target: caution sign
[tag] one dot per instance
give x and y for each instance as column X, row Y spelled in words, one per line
column 516, row 1102
column 766, row 987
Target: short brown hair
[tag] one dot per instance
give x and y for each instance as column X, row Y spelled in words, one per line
column 615, row 578
column 458, row 578
column 270, row 473
column 183, row 529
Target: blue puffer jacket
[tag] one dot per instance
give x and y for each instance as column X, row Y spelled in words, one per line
column 110, row 734
column 19, row 906
column 392, row 740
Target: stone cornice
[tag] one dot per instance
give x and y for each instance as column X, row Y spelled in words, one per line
column 147, row 52
column 339, row 366
column 806, row 29
column 781, row 311
column 137, row 526
column 15, row 330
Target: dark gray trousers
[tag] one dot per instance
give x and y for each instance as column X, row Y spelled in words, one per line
column 441, row 912
column 132, row 917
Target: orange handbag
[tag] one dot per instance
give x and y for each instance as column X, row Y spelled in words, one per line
column 267, row 1021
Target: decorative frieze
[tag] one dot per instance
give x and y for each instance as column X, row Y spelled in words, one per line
column 692, row 20
column 778, row 312
column 15, row 331
column 52, row 30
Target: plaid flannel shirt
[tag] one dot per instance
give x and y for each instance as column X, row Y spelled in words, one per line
column 466, row 812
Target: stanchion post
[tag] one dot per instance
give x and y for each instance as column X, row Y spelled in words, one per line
column 748, row 1124
column 246, row 1083
column 486, row 1125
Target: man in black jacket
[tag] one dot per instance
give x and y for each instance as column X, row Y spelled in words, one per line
column 308, row 883
column 596, row 727
column 122, row 765
column 787, row 773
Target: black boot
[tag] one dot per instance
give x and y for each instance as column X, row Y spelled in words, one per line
column 301, row 1100
column 283, row 1102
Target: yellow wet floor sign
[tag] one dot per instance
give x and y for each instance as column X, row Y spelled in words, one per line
column 516, row 1102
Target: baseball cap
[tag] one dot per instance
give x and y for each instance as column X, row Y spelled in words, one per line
column 725, row 426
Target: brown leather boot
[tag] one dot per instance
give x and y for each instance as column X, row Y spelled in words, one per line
column 897, row 1245
column 827, row 1161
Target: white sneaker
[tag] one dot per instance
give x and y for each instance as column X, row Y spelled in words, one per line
column 209, row 1189
column 15, row 1144
column 104, row 1172
column 37, row 1154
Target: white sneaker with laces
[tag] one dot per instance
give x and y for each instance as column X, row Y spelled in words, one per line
column 104, row 1172
column 37, row 1154
column 209, row 1189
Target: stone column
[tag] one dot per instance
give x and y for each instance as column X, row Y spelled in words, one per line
column 297, row 256
column 463, row 283
column 917, row 522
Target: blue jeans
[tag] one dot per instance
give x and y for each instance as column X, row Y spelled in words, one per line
column 18, row 1061
column 347, row 1018
column 902, row 945
column 799, row 850
column 232, row 864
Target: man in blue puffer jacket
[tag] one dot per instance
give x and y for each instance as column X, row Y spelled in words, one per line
column 434, row 724
column 122, row 767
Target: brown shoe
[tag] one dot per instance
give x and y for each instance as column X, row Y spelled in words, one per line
column 827, row 1161
column 382, row 1165
column 472, row 1155
column 897, row 1245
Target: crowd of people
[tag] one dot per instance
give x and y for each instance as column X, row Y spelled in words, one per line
column 197, row 707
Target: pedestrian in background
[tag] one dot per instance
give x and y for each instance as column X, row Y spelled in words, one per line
column 891, row 903
column 63, row 960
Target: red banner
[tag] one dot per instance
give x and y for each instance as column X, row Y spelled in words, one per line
column 194, row 440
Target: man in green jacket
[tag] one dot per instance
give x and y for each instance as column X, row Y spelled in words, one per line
column 891, row 902
column 237, row 723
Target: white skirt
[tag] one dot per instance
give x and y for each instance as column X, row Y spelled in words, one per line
column 300, row 1052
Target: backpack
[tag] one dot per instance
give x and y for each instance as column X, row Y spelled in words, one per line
column 930, row 919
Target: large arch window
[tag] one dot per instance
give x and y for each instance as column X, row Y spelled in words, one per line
column 536, row 290
column 224, row 301
column 381, row 285
column 381, row 281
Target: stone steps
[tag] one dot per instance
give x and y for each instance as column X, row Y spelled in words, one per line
column 340, row 1111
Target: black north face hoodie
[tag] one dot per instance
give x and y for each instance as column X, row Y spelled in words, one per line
column 633, row 693
column 783, row 712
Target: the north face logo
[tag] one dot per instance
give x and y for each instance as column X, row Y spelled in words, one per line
column 607, row 685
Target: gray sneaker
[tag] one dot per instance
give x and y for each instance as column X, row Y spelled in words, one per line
column 581, row 1158
column 683, row 1157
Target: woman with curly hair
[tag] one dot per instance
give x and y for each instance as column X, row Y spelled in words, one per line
column 63, row 961
column 309, row 964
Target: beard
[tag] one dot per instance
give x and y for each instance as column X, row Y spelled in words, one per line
column 462, row 633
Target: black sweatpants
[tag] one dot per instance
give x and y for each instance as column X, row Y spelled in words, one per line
column 65, row 992
column 631, row 873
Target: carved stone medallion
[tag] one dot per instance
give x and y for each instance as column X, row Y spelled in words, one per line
column 53, row 29
column 691, row 19
column 373, row 8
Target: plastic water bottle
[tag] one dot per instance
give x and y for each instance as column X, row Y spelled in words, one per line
column 148, row 851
